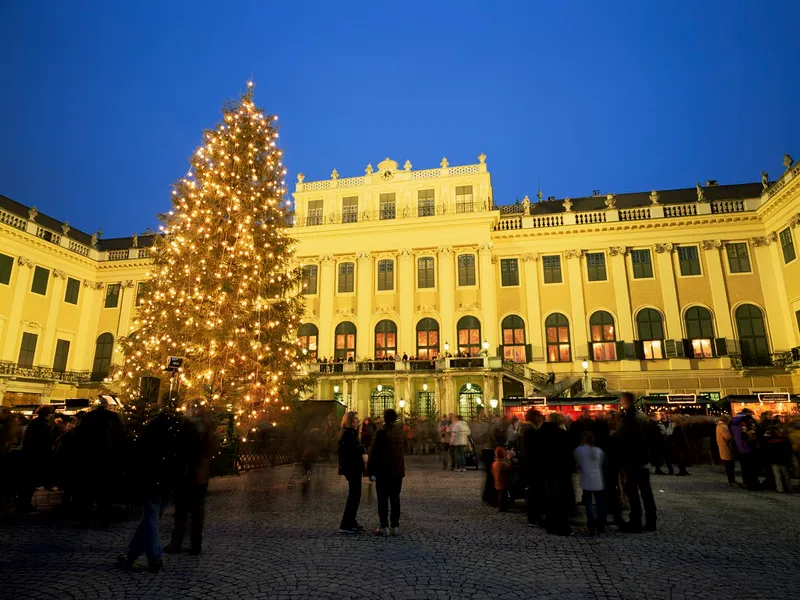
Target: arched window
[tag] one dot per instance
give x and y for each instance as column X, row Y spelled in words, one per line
column 427, row 338
column 102, row 356
column 308, row 334
column 650, row 327
column 470, row 398
column 752, row 336
column 557, row 333
column 380, row 400
column 469, row 336
column 700, row 330
column 345, row 341
column 603, row 336
column 385, row 339
column 513, row 339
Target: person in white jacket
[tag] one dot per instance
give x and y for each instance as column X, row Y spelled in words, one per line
column 590, row 460
column 459, row 440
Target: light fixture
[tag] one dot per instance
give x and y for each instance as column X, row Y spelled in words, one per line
column 402, row 404
column 336, row 389
column 446, row 347
column 479, row 400
column 485, row 344
column 493, row 403
column 585, row 365
column 380, row 387
column 425, row 387
column 469, row 386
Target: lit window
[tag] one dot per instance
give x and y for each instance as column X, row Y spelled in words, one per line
column 426, row 206
column 557, row 333
column 464, row 202
column 314, row 216
column 604, row 336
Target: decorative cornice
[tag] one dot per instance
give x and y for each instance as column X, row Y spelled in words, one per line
column 426, row 308
column 764, row 240
column 529, row 257
column 445, row 250
column 92, row 285
column 794, row 220
column 573, row 253
column 494, row 259
column 128, row 283
column 59, row 274
column 25, row 262
column 405, row 253
column 327, row 258
column 486, row 247
column 668, row 247
column 618, row 250
column 363, row 255
column 711, row 244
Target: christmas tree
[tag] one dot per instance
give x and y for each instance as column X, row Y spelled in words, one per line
column 223, row 290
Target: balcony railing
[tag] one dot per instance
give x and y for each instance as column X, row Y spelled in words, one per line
column 391, row 214
column 439, row 364
column 42, row 373
column 775, row 359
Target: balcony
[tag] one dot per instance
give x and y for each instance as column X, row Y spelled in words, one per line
column 13, row 370
column 382, row 366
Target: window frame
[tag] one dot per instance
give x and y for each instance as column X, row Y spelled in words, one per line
column 10, row 271
column 690, row 322
column 518, row 350
column 109, row 287
column 384, row 334
column 76, row 288
column 38, row 278
column 473, row 275
column 465, row 206
column 351, row 277
column 545, row 269
column 429, row 346
column 649, row 263
column 510, row 272
column 315, row 216
column 100, row 360
column 429, row 210
column 432, row 273
column 383, row 206
column 608, row 347
column 652, row 344
column 306, row 279
column 757, row 358
column 557, row 345
column 27, row 339
column 60, row 343
column 386, row 277
column 346, row 351
column 681, row 262
column 789, row 237
column 350, row 210
column 738, row 246
column 463, row 324
column 593, row 271
column 304, row 337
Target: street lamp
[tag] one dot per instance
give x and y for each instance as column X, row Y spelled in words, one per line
column 585, row 365
column 493, row 403
column 402, row 405
column 336, row 389
column 446, row 347
column 379, row 388
column 425, row 387
column 486, row 345
column 469, row 386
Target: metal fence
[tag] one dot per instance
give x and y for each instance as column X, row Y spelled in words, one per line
column 278, row 449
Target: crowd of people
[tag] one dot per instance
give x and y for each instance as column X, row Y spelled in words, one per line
column 365, row 363
column 94, row 460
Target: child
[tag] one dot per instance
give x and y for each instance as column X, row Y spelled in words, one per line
column 501, row 471
column 590, row 460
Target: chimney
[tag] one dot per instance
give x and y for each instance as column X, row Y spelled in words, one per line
column 595, row 192
column 711, row 182
column 551, row 197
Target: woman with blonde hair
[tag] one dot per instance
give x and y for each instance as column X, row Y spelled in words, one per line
column 351, row 465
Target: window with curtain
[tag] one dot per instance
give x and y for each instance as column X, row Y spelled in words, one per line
column 345, row 341
column 513, row 338
column 700, row 331
column 557, row 335
column 308, row 334
column 427, row 338
column 603, row 336
column 469, row 336
column 385, row 339
column 650, row 327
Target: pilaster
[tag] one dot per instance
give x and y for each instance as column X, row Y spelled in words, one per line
column 326, row 297
column 719, row 290
column 405, row 342
column 488, row 297
column 580, row 341
column 530, row 264
column 21, row 287
column 364, row 304
column 669, row 291
column 776, row 302
column 619, row 274
column 47, row 354
column 447, row 285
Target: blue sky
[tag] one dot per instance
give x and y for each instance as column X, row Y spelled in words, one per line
column 103, row 102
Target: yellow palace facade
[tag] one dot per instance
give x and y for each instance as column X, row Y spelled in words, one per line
column 693, row 290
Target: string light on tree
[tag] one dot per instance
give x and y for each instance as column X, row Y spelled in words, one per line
column 224, row 285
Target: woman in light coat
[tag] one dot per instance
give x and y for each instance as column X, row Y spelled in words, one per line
column 725, row 445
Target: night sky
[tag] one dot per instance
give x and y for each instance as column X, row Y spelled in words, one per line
column 102, row 103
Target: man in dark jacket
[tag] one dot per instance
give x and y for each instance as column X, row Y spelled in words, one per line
column 37, row 449
column 532, row 462
column 196, row 448
column 387, row 465
column 635, row 461
column 746, row 435
column 159, row 467
column 560, row 496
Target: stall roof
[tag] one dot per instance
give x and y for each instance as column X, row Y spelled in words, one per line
column 754, row 397
column 663, row 400
column 585, row 401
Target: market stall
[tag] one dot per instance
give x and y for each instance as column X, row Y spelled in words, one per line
column 778, row 403
column 681, row 404
column 568, row 406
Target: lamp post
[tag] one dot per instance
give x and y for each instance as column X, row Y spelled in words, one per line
column 486, row 347
column 585, row 365
column 446, row 347
column 402, row 405
column 493, row 404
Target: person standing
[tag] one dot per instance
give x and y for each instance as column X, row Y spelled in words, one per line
column 725, row 446
column 532, row 462
column 368, row 430
column 444, row 441
column 158, row 467
column 37, row 448
column 558, row 467
column 197, row 446
column 590, row 459
column 512, row 431
column 745, row 433
column 351, row 466
column 501, row 474
column 779, row 456
column 459, row 439
column 387, row 465
column 635, row 453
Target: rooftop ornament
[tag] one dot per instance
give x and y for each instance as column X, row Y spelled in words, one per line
column 611, row 201
column 335, row 174
column 567, row 204
column 788, row 161
column 701, row 196
column 654, row 197
column 526, row 205
column 764, row 180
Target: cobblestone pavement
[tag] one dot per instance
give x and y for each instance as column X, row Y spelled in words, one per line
column 264, row 539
